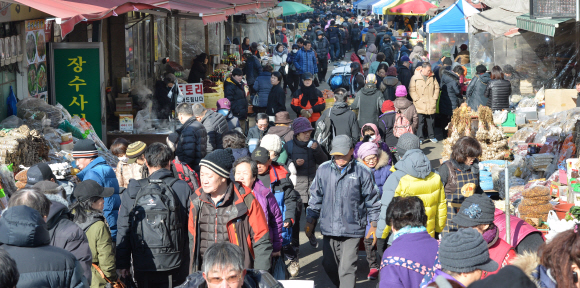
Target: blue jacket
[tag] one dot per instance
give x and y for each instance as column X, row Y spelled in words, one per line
column 263, row 87
column 103, row 174
column 305, row 61
column 342, row 200
column 333, row 34
column 252, row 69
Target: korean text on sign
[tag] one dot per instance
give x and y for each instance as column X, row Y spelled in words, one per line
column 192, row 92
column 77, row 67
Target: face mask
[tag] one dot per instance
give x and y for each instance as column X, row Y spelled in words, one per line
column 373, row 138
column 362, row 57
column 124, row 159
column 294, row 50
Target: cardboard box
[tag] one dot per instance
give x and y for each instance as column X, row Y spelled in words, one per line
column 124, row 104
column 122, row 95
column 510, row 129
column 126, row 122
column 560, row 100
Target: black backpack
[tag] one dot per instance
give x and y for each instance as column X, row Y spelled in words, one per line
column 157, row 234
column 325, row 132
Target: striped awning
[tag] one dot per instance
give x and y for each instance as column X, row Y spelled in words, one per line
column 540, row 26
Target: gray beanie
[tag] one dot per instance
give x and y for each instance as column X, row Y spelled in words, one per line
column 465, row 251
column 475, row 210
column 407, row 141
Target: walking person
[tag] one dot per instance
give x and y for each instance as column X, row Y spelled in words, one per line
column 357, row 78
column 322, row 47
column 279, row 58
column 387, row 123
column 224, row 107
column 404, row 72
column 334, row 39
column 293, row 77
column 282, row 128
column 390, row 83
column 343, row 119
column 192, row 138
column 252, row 69
column 424, row 91
column 305, row 60
column 308, row 101
column 263, row 86
column 277, row 96
column 407, row 109
column 215, row 125
column 234, row 91
column 368, row 102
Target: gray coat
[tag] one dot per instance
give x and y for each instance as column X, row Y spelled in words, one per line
column 216, row 125
column 342, row 202
column 66, row 234
column 344, row 120
column 476, row 91
column 368, row 101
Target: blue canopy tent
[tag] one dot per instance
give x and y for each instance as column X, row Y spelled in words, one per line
column 378, row 7
column 355, row 4
column 452, row 20
column 366, row 4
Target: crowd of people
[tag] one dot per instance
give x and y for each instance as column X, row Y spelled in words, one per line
column 221, row 202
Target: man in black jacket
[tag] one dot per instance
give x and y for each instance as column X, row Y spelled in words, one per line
column 404, row 73
column 234, row 91
column 158, row 160
column 64, row 233
column 388, row 50
column 24, row 236
column 334, row 38
column 215, row 124
column 166, row 94
column 192, row 141
column 322, row 47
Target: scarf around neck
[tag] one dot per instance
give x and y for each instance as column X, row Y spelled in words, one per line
column 308, row 94
column 409, row 230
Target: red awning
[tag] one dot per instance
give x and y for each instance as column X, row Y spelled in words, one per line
column 73, row 12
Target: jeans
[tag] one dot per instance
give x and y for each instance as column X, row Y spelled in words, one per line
column 322, row 69
column 296, row 232
column 342, row 50
column 334, row 51
column 340, row 255
column 430, row 120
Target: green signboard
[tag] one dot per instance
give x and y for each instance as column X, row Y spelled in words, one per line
column 77, row 81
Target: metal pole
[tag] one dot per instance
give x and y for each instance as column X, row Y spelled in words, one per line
column 577, row 10
column 507, row 206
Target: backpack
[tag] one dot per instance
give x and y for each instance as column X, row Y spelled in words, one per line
column 402, row 125
column 183, row 172
column 325, row 132
column 157, row 232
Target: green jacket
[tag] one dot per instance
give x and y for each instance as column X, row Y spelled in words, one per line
column 102, row 249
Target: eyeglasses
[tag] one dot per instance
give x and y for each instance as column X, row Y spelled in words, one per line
column 371, row 159
column 262, row 125
column 230, row 280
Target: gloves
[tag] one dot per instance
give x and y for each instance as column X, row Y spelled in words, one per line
column 372, row 232
column 304, row 113
column 309, row 227
column 289, row 222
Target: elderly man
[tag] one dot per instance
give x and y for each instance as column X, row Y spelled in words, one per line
column 224, row 265
column 424, row 90
column 215, row 124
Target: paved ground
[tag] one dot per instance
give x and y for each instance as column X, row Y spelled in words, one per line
column 311, row 258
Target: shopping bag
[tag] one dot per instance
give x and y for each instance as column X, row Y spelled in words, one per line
column 279, row 270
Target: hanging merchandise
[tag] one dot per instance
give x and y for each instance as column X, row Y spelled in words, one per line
column 11, row 103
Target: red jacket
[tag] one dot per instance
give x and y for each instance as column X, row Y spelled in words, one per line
column 248, row 229
column 354, row 58
column 502, row 253
column 519, row 228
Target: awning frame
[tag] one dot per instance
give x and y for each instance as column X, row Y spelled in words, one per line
column 540, row 25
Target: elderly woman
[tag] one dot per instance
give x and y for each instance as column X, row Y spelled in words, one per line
column 412, row 244
column 273, row 143
column 246, row 172
column 370, row 133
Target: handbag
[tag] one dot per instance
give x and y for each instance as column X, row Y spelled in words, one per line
column 110, row 284
column 282, row 70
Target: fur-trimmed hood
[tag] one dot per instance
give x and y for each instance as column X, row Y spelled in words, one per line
column 529, row 262
column 383, row 160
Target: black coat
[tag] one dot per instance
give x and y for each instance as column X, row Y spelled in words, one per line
column 198, row 70
column 321, row 46
column 276, row 100
column 309, row 35
column 355, row 35
column 498, row 94
column 65, row 234
column 192, row 143
column 404, row 75
column 476, row 91
column 235, row 93
column 386, row 124
column 216, row 125
column 451, row 96
column 333, row 34
column 24, row 236
column 163, row 105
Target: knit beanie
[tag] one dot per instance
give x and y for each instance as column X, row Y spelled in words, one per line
column 171, row 141
column 465, row 251
column 392, row 71
column 272, row 143
column 85, row 149
column 367, row 149
column 237, row 72
column 407, row 141
column 135, row 149
column 219, row 161
column 388, row 105
column 300, row 125
column 401, row 91
column 475, row 210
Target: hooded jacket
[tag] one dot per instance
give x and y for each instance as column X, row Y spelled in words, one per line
column 498, row 94
column 450, row 93
column 235, row 92
column 413, row 177
column 382, row 170
column 322, row 48
column 529, row 262
column 476, row 91
column 274, row 217
column 309, row 34
column 403, row 52
column 389, row 87
column 370, row 37
column 403, row 105
column 284, row 132
column 417, row 53
column 305, row 61
column 192, row 143
column 424, row 94
column 252, row 69
column 253, row 279
column 103, row 174
column 343, row 201
column 386, row 125
column 372, row 52
column 279, row 57
column 368, row 101
column 344, row 120
column 65, row 234
column 276, row 100
column 263, row 86
column 103, row 253
column 24, row 236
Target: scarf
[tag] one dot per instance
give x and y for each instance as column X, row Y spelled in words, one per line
column 491, row 235
column 308, row 94
column 280, row 54
column 409, row 230
column 377, row 135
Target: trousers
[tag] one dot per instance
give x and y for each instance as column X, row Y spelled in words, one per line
column 371, row 252
column 339, row 260
column 159, row 279
column 430, row 121
column 322, row 69
column 334, row 51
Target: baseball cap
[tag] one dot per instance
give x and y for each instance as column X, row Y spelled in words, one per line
column 39, row 172
column 341, row 145
column 90, row 188
column 406, row 59
column 307, row 76
column 224, row 103
column 261, row 155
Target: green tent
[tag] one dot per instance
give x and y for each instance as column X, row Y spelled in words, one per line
column 291, row 8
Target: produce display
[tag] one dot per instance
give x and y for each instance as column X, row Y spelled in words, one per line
column 208, row 86
column 218, row 75
column 22, row 146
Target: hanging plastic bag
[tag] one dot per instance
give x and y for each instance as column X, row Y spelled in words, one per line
column 279, row 270
column 11, row 103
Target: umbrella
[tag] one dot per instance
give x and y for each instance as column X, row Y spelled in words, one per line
column 291, row 8
column 415, row 7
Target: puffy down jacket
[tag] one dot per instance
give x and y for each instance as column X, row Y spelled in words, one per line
column 216, row 125
column 192, row 143
column 498, row 94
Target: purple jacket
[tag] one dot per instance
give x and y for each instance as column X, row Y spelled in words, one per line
column 446, row 276
column 272, row 212
column 419, row 247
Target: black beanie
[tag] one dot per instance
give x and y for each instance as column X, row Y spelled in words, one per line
column 219, row 161
column 447, row 61
column 85, row 149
